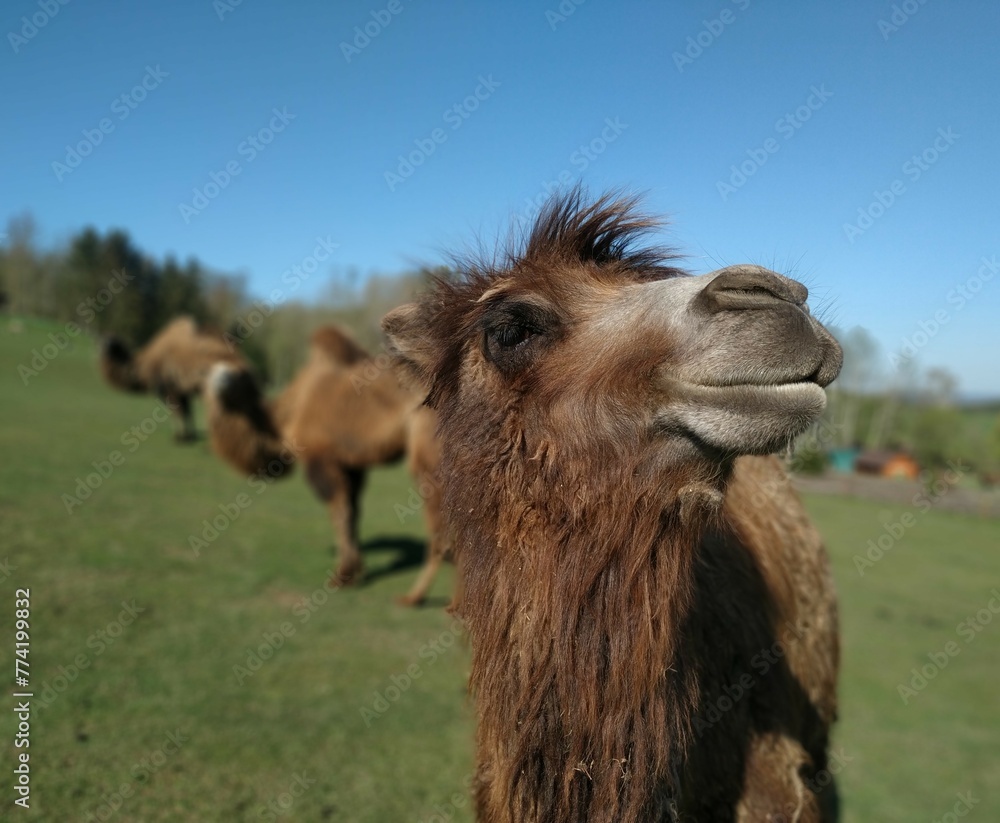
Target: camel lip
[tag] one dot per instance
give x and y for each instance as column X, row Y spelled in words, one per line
column 803, row 387
column 753, row 398
column 767, row 417
column 800, row 393
column 807, row 384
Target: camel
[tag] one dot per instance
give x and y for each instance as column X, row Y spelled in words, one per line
column 647, row 643
column 173, row 365
column 339, row 416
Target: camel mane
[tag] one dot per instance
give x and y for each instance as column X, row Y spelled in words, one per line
column 241, row 424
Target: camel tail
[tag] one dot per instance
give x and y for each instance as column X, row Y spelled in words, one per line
column 240, row 425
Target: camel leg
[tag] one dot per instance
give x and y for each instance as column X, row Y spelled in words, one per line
column 436, row 545
column 180, row 405
column 418, row 591
column 346, row 512
column 340, row 488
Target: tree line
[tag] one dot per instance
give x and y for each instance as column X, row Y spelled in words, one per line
column 105, row 284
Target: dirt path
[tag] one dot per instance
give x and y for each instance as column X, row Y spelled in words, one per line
column 943, row 496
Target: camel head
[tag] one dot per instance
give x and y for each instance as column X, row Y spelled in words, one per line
column 240, row 426
column 584, row 339
column 232, row 389
column 118, row 365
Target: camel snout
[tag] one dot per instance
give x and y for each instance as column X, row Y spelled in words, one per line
column 833, row 356
column 738, row 288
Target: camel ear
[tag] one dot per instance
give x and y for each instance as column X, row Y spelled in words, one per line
column 409, row 341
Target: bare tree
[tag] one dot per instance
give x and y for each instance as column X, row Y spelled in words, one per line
column 902, row 384
column 21, row 265
column 859, row 376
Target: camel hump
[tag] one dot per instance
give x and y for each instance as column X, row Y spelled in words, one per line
column 336, row 344
column 179, row 334
column 183, row 325
column 184, row 333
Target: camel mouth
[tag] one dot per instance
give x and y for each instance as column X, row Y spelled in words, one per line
column 808, row 388
column 817, row 369
column 744, row 418
column 795, row 395
column 763, row 383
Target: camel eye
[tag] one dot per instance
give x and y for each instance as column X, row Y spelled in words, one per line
column 510, row 346
column 516, row 333
column 509, row 337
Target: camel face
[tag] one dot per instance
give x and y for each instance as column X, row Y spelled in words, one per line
column 618, row 358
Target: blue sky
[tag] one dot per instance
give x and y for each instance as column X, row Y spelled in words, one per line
column 824, row 107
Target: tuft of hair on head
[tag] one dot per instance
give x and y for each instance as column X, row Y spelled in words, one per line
column 218, row 377
column 608, row 231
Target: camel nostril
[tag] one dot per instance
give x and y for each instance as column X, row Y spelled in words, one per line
column 752, row 287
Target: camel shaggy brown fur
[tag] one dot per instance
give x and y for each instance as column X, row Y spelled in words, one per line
column 173, row 365
column 653, row 638
column 340, row 416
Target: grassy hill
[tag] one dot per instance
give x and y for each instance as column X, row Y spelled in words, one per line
column 229, row 684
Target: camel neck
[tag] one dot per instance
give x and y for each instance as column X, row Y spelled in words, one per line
column 573, row 607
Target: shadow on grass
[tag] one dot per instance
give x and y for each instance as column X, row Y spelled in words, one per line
column 409, row 554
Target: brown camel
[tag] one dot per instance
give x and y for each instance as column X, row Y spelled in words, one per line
column 173, row 365
column 647, row 644
column 340, row 416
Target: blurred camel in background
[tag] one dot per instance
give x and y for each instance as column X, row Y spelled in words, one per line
column 173, row 365
column 341, row 415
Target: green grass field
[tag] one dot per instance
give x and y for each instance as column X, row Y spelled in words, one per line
column 148, row 705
